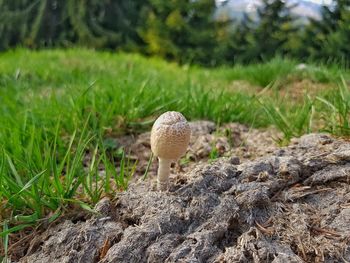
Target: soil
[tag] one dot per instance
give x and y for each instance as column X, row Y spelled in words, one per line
column 208, row 142
column 292, row 88
column 256, row 203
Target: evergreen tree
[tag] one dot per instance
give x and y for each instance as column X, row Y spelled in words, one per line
column 186, row 31
column 183, row 30
column 224, row 44
column 15, row 18
column 266, row 36
column 327, row 39
column 93, row 23
column 344, row 34
column 241, row 40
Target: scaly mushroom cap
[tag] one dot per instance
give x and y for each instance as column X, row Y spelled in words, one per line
column 170, row 135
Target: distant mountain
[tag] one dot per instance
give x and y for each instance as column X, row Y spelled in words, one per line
column 236, row 8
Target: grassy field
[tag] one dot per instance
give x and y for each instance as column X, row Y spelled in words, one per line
column 57, row 107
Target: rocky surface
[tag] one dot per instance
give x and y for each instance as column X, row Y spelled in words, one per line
column 292, row 205
column 208, row 142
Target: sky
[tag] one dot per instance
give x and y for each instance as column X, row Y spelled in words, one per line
column 327, row 2
column 320, row 1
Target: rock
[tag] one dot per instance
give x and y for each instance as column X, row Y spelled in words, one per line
column 202, row 127
column 103, row 207
column 69, row 242
column 290, row 206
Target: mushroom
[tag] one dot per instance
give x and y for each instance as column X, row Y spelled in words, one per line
column 170, row 136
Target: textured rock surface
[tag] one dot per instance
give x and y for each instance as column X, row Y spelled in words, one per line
column 208, row 141
column 290, row 206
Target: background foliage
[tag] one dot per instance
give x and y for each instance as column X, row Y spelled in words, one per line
column 182, row 30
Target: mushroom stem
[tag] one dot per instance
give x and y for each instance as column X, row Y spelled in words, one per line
column 163, row 173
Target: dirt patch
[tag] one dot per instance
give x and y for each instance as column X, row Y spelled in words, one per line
column 296, row 90
column 292, row 89
column 292, row 205
column 244, row 87
column 208, row 142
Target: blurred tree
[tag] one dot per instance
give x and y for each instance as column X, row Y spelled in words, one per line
column 224, row 31
column 327, row 39
column 184, row 30
column 266, row 36
column 15, row 17
column 344, row 32
column 87, row 22
column 187, row 31
column 241, row 39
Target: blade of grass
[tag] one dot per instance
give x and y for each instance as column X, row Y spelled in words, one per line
column 5, row 238
column 144, row 177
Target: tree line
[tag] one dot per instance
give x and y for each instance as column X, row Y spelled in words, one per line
column 187, row 31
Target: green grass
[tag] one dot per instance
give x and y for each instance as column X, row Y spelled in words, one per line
column 59, row 107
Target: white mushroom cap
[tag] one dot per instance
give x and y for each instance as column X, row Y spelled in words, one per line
column 170, row 135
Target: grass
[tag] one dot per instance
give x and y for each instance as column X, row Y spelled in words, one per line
column 59, row 111
column 336, row 114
